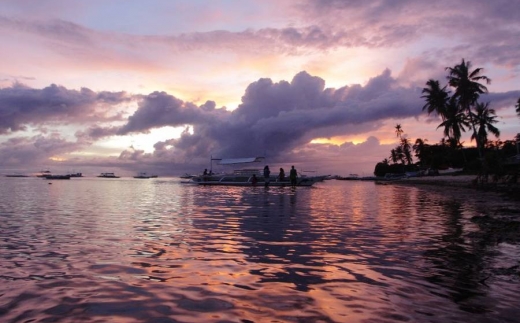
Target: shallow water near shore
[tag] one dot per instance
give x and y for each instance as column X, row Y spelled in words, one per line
column 128, row 250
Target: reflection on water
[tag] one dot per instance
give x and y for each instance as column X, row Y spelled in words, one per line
column 95, row 250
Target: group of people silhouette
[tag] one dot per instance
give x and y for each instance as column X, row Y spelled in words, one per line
column 293, row 175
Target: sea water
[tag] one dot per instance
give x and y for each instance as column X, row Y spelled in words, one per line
column 158, row 250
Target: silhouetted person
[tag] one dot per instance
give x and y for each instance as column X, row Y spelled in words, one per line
column 205, row 172
column 267, row 173
column 281, row 176
column 293, row 175
column 254, row 180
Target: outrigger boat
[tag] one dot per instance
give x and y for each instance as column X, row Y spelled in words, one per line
column 108, row 175
column 57, row 177
column 143, row 175
column 245, row 176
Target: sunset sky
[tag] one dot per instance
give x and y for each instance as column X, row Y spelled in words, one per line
column 161, row 85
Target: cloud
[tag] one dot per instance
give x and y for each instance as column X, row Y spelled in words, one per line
column 96, row 132
column 21, row 106
column 483, row 30
column 161, row 109
column 34, row 150
column 275, row 118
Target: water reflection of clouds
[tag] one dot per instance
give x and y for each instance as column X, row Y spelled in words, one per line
column 337, row 252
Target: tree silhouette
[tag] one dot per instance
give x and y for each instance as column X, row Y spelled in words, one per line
column 467, row 90
column 485, row 118
column 454, row 122
column 407, row 150
column 398, row 130
column 436, row 98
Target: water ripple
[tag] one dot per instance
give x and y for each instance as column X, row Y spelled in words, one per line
column 157, row 251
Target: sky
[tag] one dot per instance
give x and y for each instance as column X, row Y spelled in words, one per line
column 161, row 86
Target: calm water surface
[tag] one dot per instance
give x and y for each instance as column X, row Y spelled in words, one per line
column 128, row 250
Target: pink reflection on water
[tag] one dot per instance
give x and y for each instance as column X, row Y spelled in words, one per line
column 158, row 251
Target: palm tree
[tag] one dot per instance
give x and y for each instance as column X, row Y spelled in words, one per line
column 454, row 122
column 436, row 98
column 393, row 156
column 400, row 154
column 467, row 89
column 398, row 130
column 407, row 150
column 418, row 147
column 517, row 106
column 485, row 118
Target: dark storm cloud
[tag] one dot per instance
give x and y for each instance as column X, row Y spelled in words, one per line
column 21, row 106
column 277, row 117
column 161, row 109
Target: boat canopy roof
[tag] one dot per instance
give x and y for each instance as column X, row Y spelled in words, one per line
column 231, row 161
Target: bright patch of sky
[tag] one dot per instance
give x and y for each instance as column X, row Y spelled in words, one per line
column 143, row 141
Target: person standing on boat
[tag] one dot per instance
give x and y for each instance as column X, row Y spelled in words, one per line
column 293, row 175
column 254, row 180
column 267, row 173
column 281, row 176
column 205, row 172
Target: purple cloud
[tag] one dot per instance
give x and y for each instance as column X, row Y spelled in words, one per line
column 21, row 106
column 34, row 150
column 161, row 109
column 274, row 118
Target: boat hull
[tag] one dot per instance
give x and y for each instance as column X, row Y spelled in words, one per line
column 237, row 181
column 57, row 177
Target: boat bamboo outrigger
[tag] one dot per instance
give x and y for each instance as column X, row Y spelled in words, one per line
column 245, row 176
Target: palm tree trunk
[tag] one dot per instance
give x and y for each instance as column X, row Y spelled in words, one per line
column 468, row 108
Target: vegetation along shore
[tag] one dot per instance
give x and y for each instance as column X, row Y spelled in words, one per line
column 488, row 165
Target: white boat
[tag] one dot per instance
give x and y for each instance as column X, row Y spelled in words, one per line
column 246, row 176
column 108, row 175
column 143, row 175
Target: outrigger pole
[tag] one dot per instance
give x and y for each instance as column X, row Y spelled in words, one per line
column 211, row 163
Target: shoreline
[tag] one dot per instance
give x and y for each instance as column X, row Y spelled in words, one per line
column 511, row 190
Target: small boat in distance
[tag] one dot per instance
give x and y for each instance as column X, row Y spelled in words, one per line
column 75, row 174
column 57, row 177
column 143, row 175
column 44, row 173
column 108, row 175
